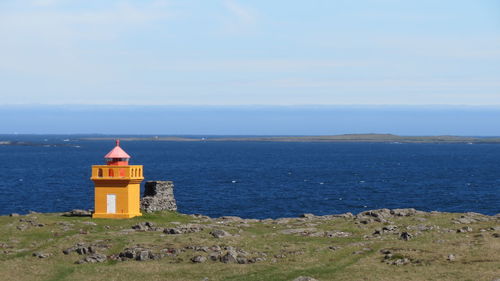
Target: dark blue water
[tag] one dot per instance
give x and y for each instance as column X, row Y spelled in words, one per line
column 263, row 179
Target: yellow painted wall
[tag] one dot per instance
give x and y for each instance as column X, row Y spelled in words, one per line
column 124, row 182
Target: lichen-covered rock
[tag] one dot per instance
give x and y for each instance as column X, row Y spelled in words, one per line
column 158, row 196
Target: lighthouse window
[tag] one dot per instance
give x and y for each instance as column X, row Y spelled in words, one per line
column 99, row 173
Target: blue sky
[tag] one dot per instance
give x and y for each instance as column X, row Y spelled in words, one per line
column 235, row 52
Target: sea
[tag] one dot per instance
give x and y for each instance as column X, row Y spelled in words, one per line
column 51, row 173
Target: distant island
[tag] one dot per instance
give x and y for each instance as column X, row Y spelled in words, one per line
column 380, row 138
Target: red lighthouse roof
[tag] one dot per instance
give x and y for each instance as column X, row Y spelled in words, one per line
column 117, row 152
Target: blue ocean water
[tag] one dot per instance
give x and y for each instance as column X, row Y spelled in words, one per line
column 261, row 179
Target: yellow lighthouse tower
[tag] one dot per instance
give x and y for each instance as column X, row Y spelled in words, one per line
column 117, row 186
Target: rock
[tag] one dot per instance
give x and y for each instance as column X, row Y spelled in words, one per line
column 215, row 256
column 14, row 215
column 402, row 261
column 158, row 196
column 143, row 255
column 389, row 228
column 215, row 248
column 405, row 236
column 219, row 233
column 182, row 229
column 379, row 213
column 347, row 215
column 333, row 234
column 197, row 248
column 464, row 229
column 172, row 231
column 421, row 227
column 82, row 250
column 229, row 257
column 304, row 278
column 242, row 260
column 231, row 218
column 22, row 227
column 385, row 229
column 41, row 255
column 95, row 258
column 307, row 216
column 128, row 253
column 464, row 220
column 143, row 226
column 89, row 223
column 385, row 251
column 198, row 259
column 78, row 213
column 405, row 212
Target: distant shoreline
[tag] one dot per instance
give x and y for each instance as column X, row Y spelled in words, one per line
column 379, row 138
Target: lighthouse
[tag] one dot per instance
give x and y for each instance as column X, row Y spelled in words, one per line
column 117, row 186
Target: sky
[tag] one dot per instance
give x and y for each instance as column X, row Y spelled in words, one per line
column 241, row 53
column 283, row 67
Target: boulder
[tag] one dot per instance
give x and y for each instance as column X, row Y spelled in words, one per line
column 230, row 257
column 219, row 233
column 198, row 259
column 158, row 196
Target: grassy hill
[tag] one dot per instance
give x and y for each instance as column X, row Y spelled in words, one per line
column 375, row 245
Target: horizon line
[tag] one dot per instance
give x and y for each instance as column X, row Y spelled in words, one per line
column 246, row 105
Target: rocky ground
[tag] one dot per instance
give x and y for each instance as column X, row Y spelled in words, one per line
column 399, row 244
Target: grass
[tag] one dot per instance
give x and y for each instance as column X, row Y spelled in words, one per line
column 357, row 257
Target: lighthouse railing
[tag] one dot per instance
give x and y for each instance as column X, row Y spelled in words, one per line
column 117, row 172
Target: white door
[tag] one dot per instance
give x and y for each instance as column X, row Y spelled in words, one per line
column 111, row 203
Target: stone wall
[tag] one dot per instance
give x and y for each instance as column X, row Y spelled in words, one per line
column 158, row 196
